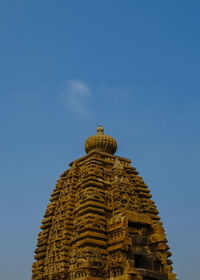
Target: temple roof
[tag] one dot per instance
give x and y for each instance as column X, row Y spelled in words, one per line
column 101, row 223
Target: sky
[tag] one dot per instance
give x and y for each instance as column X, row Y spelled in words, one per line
column 66, row 66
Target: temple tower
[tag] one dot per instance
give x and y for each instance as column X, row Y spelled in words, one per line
column 101, row 222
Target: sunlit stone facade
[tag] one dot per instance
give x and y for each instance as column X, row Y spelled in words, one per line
column 101, row 222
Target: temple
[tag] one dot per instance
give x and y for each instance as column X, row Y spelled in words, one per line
column 101, row 222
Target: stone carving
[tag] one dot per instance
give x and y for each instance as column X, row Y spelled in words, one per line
column 101, row 222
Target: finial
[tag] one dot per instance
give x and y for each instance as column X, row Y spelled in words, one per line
column 100, row 130
column 101, row 142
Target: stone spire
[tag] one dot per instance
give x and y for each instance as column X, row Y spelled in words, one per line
column 101, row 223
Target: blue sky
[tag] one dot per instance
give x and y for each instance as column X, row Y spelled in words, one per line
column 132, row 67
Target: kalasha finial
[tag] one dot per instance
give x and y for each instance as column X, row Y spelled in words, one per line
column 101, row 142
column 100, row 130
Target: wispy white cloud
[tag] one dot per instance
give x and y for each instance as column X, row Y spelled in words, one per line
column 77, row 96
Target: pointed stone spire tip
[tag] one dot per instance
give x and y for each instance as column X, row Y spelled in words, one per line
column 100, row 130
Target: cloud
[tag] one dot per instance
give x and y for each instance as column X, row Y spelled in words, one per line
column 77, row 96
